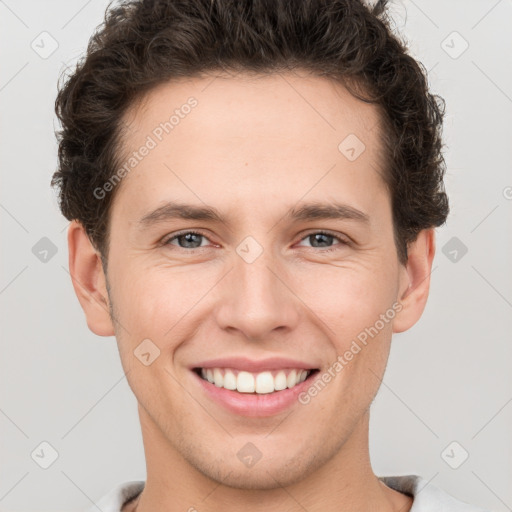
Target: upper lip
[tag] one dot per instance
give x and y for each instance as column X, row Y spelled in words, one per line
column 250, row 365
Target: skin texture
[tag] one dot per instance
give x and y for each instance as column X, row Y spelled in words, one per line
column 254, row 147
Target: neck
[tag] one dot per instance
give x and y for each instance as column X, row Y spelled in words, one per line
column 342, row 483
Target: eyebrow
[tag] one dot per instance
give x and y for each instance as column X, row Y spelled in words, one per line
column 305, row 212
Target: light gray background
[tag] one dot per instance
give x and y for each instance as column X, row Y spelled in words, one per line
column 448, row 378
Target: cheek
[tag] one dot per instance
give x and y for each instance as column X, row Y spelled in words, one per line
column 155, row 302
column 347, row 299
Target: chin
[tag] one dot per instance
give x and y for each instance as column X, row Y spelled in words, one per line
column 264, row 478
column 266, row 474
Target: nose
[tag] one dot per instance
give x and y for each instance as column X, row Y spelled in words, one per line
column 257, row 299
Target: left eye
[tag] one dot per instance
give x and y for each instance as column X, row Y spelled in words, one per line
column 323, row 237
column 318, row 239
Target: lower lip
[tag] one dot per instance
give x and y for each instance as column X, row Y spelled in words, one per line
column 254, row 405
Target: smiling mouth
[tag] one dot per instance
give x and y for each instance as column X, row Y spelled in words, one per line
column 256, row 383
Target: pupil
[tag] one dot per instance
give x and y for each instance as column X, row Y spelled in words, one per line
column 323, row 235
column 189, row 239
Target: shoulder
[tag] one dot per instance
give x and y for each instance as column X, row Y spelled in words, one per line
column 114, row 500
column 427, row 496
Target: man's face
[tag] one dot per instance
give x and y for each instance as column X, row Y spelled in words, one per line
column 258, row 285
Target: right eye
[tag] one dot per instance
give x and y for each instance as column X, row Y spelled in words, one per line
column 186, row 240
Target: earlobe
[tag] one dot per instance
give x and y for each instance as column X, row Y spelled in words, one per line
column 415, row 280
column 89, row 280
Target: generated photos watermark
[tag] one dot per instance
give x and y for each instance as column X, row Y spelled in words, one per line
column 343, row 360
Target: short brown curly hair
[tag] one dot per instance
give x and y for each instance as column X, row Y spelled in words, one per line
column 143, row 43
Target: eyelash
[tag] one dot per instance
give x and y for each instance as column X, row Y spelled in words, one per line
column 320, row 232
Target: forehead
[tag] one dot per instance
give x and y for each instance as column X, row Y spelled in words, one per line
column 221, row 135
column 240, row 105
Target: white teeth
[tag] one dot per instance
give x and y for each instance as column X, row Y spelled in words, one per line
column 245, row 382
column 261, row 383
column 280, row 381
column 218, row 378
column 264, row 383
column 291, row 380
column 229, row 380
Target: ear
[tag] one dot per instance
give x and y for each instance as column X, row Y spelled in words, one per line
column 414, row 281
column 89, row 280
